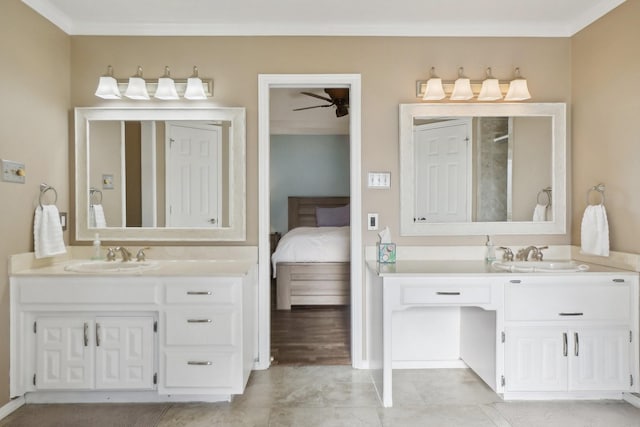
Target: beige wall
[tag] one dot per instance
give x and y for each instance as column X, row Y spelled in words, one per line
column 34, row 105
column 389, row 69
column 606, row 125
column 37, row 96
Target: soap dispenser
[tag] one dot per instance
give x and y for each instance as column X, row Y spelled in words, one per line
column 97, row 247
column 490, row 251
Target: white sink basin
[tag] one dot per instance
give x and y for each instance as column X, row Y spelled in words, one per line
column 110, row 266
column 539, row 266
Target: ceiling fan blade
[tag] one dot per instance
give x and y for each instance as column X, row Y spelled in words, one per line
column 315, row 106
column 317, row 96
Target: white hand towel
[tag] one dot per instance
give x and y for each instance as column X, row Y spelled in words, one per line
column 96, row 217
column 47, row 232
column 595, row 231
column 540, row 213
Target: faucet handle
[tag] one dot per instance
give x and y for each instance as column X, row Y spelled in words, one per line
column 141, row 256
column 507, row 254
column 111, row 254
column 538, row 255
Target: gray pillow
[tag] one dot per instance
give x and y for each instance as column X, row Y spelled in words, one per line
column 333, row 217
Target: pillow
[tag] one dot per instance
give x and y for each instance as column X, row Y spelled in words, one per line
column 333, row 217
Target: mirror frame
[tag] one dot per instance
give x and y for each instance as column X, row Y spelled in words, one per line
column 237, row 181
column 557, row 111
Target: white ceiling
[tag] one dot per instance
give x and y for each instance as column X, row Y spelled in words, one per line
column 534, row 18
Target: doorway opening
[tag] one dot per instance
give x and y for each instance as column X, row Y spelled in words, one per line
column 315, row 84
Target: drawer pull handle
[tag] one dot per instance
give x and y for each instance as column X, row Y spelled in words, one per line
column 86, row 334
column 564, row 344
column 447, row 293
column 97, row 334
column 515, row 281
column 576, row 344
column 199, row 293
column 571, row 314
column 199, row 363
column 618, row 280
column 199, row 320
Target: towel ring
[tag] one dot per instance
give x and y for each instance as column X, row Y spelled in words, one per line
column 598, row 189
column 547, row 192
column 43, row 189
column 93, row 192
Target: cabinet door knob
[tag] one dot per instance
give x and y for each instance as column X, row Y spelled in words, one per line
column 576, row 344
column 198, row 320
column 86, row 334
column 199, row 293
column 571, row 314
column 199, row 363
column 447, row 293
column 564, row 344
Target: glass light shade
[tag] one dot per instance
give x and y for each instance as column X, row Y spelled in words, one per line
column 462, row 90
column 518, row 90
column 194, row 90
column 434, row 90
column 490, row 90
column 166, row 89
column 108, row 88
column 137, row 88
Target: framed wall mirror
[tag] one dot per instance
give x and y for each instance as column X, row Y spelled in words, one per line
column 160, row 174
column 469, row 169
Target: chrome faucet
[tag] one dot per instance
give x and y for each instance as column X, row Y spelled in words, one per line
column 126, row 255
column 532, row 252
column 507, row 254
column 141, row 256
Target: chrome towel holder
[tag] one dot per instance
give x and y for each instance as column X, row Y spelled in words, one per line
column 547, row 192
column 44, row 188
column 598, row 189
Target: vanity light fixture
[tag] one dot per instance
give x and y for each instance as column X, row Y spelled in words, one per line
column 163, row 88
column 434, row 90
column 166, row 86
column 518, row 89
column 464, row 89
column 195, row 90
column 108, row 86
column 490, row 90
column 137, row 87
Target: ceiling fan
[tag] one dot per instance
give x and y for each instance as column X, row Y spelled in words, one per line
column 337, row 97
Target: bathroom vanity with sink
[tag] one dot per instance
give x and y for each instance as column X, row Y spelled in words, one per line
column 182, row 330
column 532, row 335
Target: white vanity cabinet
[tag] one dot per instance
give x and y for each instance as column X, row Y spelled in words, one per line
column 571, row 336
column 206, row 323
column 102, row 353
column 165, row 335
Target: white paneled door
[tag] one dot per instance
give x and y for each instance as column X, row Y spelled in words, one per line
column 443, row 186
column 194, row 175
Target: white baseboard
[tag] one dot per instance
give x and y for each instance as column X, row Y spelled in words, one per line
column 632, row 398
column 428, row 364
column 117, row 397
column 10, row 407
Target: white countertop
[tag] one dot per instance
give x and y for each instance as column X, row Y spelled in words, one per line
column 477, row 268
column 160, row 268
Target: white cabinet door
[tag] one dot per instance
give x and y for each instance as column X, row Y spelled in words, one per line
column 599, row 359
column 535, row 359
column 124, row 352
column 65, row 353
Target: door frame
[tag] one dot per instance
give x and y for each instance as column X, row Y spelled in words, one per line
column 266, row 82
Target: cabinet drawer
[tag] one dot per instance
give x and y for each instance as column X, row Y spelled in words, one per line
column 587, row 301
column 447, row 294
column 94, row 290
column 202, row 291
column 199, row 369
column 200, row 327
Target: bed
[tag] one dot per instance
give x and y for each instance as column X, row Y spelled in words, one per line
column 319, row 281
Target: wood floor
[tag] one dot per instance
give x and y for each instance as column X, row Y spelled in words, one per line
column 310, row 335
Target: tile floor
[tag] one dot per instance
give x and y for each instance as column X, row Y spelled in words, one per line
column 312, row 396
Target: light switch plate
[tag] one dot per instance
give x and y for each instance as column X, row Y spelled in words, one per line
column 380, row 180
column 372, row 221
column 13, row 171
column 107, row 181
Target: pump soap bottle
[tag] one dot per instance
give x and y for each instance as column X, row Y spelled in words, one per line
column 490, row 251
column 97, row 248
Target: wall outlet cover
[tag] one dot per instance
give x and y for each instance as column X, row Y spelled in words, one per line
column 13, row 171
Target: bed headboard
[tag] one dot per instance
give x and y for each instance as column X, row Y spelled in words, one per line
column 302, row 210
